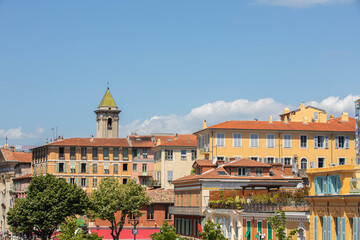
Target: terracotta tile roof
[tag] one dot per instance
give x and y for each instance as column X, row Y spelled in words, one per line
column 98, row 142
column 142, row 141
column 19, row 156
column 181, row 140
column 23, row 177
column 334, row 125
column 203, row 162
column 245, row 162
column 213, row 173
column 161, row 196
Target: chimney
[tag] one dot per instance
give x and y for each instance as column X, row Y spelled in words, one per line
column 176, row 136
column 286, row 110
column 344, row 117
column 276, row 166
column 204, row 124
column 12, row 149
column 158, row 143
column 301, row 106
column 286, row 119
column 92, row 138
column 305, row 120
column 270, row 119
column 153, row 138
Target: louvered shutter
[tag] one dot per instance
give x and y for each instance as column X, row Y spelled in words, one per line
column 315, row 227
column 282, row 160
column 57, row 167
column 316, row 185
column 87, row 182
column 87, row 168
column 343, row 228
column 336, row 141
column 324, row 225
column 65, row 167
column 347, row 142
column 265, row 160
column 79, row 168
column 354, row 228
column 260, row 159
column 338, row 187
column 276, row 160
column 324, row 185
column 338, row 228
column 226, row 159
column 329, row 228
column 329, row 185
column 315, row 142
column 326, row 142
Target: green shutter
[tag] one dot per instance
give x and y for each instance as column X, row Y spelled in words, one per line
column 269, row 232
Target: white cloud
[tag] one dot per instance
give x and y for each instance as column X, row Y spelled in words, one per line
column 300, row 3
column 18, row 134
column 219, row 111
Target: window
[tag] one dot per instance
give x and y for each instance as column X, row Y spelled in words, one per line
column 106, row 168
column 167, row 213
column 109, row 124
column 287, row 141
column 303, row 163
column 342, row 161
column 169, row 176
column 72, row 180
column 269, row 231
column 303, row 141
column 95, row 168
column 321, row 142
column 83, row 153
column 248, row 230
column 220, row 139
column 95, row 153
column 254, row 140
column 124, row 181
column 144, row 151
column 116, row 154
column 61, row 168
column 183, row 154
column 150, row 212
column 106, row 154
column 72, row 167
column 237, row 139
column 270, row 140
column 144, row 168
column 168, row 154
column 321, row 162
column 61, row 153
column 287, row 161
column 72, row 153
column 94, row 182
column 193, row 154
column 254, row 158
column 125, row 167
column 83, row 167
column 83, row 182
column 136, row 153
column 125, row 153
column 258, row 171
column 243, row 172
column 134, row 167
column 116, row 169
column 341, row 142
column 270, row 159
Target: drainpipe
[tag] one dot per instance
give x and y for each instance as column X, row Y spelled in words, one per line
column 331, row 139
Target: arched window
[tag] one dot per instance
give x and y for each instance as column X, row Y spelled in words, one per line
column 109, row 123
column 303, row 163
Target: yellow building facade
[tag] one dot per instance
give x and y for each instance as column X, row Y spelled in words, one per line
column 335, row 202
column 297, row 139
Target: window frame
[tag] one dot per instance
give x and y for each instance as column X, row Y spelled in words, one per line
column 341, row 158
column 237, row 140
column 256, row 139
column 317, row 162
column 268, row 140
column 287, row 141
column 307, row 141
column 183, row 157
column 219, row 139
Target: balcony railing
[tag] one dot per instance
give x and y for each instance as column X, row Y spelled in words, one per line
column 185, row 211
column 354, row 185
column 268, row 208
column 204, row 149
column 153, row 183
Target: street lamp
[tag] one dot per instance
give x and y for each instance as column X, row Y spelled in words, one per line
column 134, row 220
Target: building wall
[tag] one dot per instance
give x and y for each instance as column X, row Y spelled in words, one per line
column 179, row 167
column 331, row 154
column 141, row 176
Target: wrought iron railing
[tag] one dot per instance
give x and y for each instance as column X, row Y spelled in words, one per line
column 258, row 207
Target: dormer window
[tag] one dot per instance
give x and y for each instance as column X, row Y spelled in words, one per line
column 109, row 123
column 243, row 172
column 258, row 171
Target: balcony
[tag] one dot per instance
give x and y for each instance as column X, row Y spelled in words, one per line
column 354, row 185
column 153, row 183
column 270, row 208
column 185, row 211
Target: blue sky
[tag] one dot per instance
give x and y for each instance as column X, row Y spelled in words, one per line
column 171, row 64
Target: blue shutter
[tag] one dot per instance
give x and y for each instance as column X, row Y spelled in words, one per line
column 276, row 160
column 358, row 229
column 354, row 228
column 329, row 185
column 315, row 142
column 265, row 160
column 343, row 228
column 282, row 160
column 337, row 228
column 316, row 185
column 338, row 183
column 315, row 227
column 329, row 228
column 324, row 185
column 336, row 141
column 260, row 159
column 326, row 142
column 347, row 142
column 324, row 231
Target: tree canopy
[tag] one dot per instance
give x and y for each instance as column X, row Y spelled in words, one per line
column 48, row 203
column 71, row 230
column 278, row 223
column 212, row 231
column 111, row 197
column 167, row 232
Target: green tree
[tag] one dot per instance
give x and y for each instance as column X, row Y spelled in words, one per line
column 167, row 232
column 112, row 197
column 48, row 203
column 71, row 230
column 212, row 231
column 193, row 171
column 278, row 223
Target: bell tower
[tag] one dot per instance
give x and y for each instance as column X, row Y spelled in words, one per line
column 107, row 117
